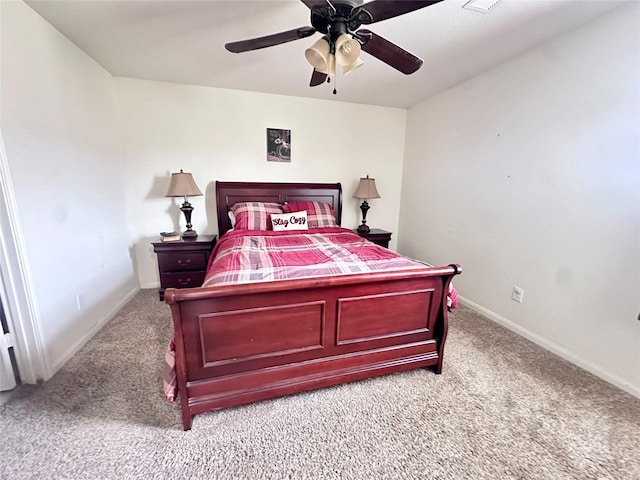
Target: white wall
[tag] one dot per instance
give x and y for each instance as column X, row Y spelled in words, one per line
column 62, row 146
column 219, row 134
column 529, row 175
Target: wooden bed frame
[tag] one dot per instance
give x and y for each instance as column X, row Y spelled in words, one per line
column 237, row 344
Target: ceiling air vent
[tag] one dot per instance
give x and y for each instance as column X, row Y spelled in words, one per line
column 482, row 6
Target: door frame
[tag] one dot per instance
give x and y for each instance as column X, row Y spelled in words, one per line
column 17, row 288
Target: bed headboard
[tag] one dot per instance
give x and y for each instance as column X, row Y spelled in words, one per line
column 228, row 193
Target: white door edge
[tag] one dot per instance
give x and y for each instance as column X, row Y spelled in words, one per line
column 18, row 292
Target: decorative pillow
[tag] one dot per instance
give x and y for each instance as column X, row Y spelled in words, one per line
column 289, row 221
column 254, row 215
column 318, row 214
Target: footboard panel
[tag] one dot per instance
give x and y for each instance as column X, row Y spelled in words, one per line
column 261, row 334
column 244, row 343
column 362, row 318
column 287, row 379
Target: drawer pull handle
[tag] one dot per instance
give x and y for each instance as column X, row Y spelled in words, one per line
column 184, row 262
column 186, row 281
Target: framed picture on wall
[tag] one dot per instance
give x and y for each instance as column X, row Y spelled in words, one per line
column 278, row 145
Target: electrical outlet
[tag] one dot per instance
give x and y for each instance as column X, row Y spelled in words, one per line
column 517, row 295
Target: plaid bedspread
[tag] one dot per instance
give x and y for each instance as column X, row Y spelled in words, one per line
column 243, row 256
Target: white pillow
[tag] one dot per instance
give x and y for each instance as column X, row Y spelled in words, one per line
column 289, row 221
column 232, row 219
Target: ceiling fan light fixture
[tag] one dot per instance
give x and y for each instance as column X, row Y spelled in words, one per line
column 347, row 69
column 347, row 49
column 343, row 40
column 318, row 55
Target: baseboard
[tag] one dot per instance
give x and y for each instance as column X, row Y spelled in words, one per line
column 73, row 349
column 148, row 285
column 552, row 347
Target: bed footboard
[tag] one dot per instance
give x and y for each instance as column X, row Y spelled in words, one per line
column 244, row 343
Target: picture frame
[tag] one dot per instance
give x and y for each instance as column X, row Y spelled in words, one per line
column 278, row 145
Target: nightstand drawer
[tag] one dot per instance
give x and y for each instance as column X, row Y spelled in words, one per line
column 183, row 279
column 178, row 262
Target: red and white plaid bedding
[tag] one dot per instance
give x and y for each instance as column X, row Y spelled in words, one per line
column 255, row 256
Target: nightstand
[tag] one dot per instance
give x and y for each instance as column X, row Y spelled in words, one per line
column 183, row 263
column 377, row 236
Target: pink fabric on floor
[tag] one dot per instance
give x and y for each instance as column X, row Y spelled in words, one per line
column 453, row 297
column 170, row 385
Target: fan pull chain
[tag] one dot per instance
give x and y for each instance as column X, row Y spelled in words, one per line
column 335, row 84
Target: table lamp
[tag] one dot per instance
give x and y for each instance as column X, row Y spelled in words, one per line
column 366, row 190
column 183, row 185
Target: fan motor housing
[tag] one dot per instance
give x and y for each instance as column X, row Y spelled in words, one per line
column 338, row 12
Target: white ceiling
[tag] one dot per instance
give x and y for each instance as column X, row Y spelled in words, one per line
column 183, row 41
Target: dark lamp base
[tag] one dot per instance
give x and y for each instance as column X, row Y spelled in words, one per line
column 190, row 234
column 364, row 228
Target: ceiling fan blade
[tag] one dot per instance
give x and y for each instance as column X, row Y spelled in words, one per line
column 383, row 9
column 388, row 52
column 270, row 40
column 317, row 78
column 314, row 3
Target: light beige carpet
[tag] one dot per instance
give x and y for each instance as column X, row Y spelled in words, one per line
column 502, row 409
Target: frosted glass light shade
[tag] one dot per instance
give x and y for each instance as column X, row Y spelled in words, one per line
column 347, row 49
column 318, row 54
column 347, row 69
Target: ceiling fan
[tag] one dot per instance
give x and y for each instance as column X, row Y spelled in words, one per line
column 339, row 21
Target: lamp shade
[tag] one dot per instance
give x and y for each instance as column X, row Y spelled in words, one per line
column 318, row 54
column 330, row 68
column 182, row 185
column 347, row 69
column 347, row 49
column 367, row 189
